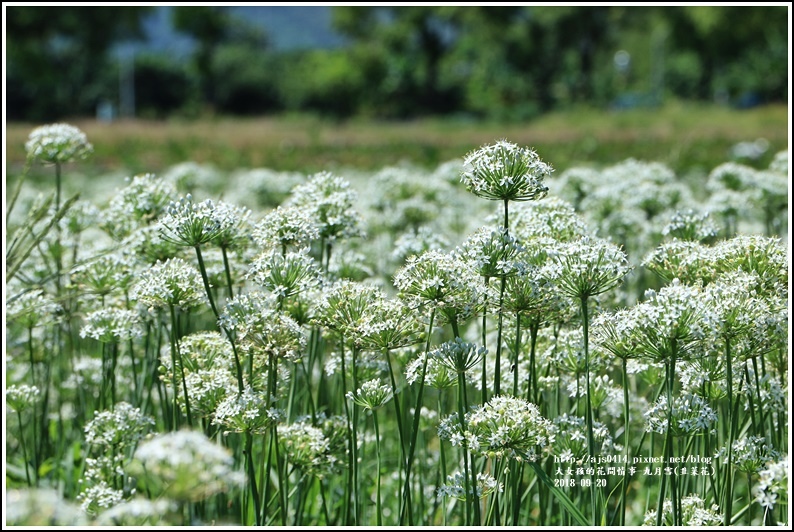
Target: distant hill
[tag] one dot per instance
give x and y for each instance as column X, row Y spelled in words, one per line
column 287, row 28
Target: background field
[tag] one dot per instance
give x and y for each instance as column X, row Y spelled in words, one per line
column 691, row 139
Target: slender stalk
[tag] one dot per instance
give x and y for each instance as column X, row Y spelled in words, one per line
column 400, row 429
column 415, row 431
column 206, row 280
column 356, row 472
column 625, row 486
column 249, row 458
column 498, row 368
column 728, row 502
column 174, row 355
column 467, row 484
column 515, row 354
column 378, row 504
column 350, row 443
column 589, row 408
column 24, row 447
column 228, row 271
column 485, row 343
column 173, row 367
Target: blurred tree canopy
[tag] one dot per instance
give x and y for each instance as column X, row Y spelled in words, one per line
column 57, row 60
column 506, row 62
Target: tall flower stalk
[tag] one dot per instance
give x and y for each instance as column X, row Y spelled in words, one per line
column 586, row 268
column 505, row 172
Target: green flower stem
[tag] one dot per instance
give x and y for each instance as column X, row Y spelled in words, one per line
column 114, row 349
column 589, row 408
column 415, row 431
column 206, row 281
column 668, row 440
column 492, row 513
column 283, row 486
column 378, row 504
column 485, row 344
column 356, row 472
column 625, row 485
column 498, row 368
column 751, row 401
column 249, row 459
column 727, row 504
column 533, row 370
column 503, row 281
column 228, row 271
column 468, row 472
column 24, row 447
column 172, row 338
column 58, row 252
column 350, row 442
column 174, row 355
column 400, row 428
column 515, row 354
column 761, row 410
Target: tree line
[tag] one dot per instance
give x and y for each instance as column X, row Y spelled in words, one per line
column 500, row 62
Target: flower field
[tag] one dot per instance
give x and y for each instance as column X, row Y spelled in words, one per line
column 489, row 342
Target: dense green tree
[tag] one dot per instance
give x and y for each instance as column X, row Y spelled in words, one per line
column 55, row 57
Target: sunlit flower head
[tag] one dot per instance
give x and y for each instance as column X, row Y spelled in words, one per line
column 505, row 171
column 173, row 283
column 185, row 466
column 58, row 143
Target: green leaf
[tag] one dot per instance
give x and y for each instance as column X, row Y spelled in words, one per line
column 559, row 495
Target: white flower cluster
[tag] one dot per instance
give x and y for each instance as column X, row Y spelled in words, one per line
column 106, row 273
column 58, row 143
column 41, row 508
column 691, row 226
column 329, row 201
column 587, row 267
column 491, row 252
column 170, row 283
column 772, row 485
column 455, row 486
column 186, row 466
column 285, row 275
column 32, row 308
column 440, row 281
column 189, row 175
column 550, row 217
column 437, row 374
column 693, row 513
column 749, row 454
column 286, row 228
column 20, row 397
column 306, row 447
column 416, row 242
column 112, row 325
column 602, row 391
column 387, row 324
column 504, row 427
column 119, row 428
column 186, row 223
column 671, row 322
column 137, row 205
column 570, row 437
column 138, row 512
column 207, row 363
column 691, row 414
column 372, row 395
column 248, row 411
column 457, row 355
column 98, row 497
column 505, row 171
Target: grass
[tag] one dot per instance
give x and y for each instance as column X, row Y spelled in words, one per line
column 686, row 137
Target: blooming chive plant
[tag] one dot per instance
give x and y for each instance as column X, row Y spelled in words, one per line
column 599, row 351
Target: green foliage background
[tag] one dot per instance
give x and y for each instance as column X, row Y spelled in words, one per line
column 505, row 63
